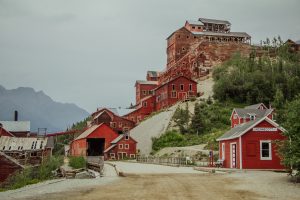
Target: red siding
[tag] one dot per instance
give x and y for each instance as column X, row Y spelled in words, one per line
column 143, row 87
column 251, row 142
column 79, row 147
column 226, row 162
column 130, row 151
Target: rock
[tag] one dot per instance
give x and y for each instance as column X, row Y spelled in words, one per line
column 83, row 175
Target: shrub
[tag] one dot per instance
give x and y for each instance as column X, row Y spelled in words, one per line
column 77, row 162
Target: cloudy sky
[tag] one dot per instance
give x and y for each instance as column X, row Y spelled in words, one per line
column 91, row 52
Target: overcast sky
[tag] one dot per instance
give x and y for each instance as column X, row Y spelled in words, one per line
column 91, row 52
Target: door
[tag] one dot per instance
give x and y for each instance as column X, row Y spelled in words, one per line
column 182, row 95
column 233, row 155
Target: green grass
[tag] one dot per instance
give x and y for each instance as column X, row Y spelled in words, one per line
column 32, row 175
column 77, row 162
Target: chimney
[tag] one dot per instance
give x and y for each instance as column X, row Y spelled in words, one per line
column 16, row 115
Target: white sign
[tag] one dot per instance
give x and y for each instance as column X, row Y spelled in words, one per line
column 265, row 129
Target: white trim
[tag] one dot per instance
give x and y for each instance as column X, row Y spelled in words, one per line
column 120, row 145
column 113, row 157
column 270, row 149
column 223, row 150
column 241, row 157
column 126, row 146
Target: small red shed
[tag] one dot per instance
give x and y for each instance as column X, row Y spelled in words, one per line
column 122, row 147
column 250, row 144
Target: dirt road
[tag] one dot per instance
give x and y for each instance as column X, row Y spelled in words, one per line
column 172, row 185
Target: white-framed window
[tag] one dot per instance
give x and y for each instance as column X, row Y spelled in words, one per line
column 113, row 124
column 126, row 146
column 145, row 104
column 120, row 146
column 223, row 151
column 252, row 117
column 132, row 155
column 174, row 94
column 265, row 150
column 126, row 137
column 173, row 87
column 235, row 116
column 144, row 92
column 112, row 155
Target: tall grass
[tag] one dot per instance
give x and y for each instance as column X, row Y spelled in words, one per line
column 33, row 175
column 77, row 162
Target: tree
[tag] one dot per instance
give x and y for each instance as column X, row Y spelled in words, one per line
column 198, row 120
column 290, row 149
column 181, row 118
column 278, row 99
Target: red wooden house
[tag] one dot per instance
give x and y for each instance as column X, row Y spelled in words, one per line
column 145, row 108
column 177, row 89
column 97, row 140
column 250, row 144
column 117, row 123
column 144, row 89
column 122, row 147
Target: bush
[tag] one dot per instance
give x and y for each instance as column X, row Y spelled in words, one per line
column 32, row 175
column 77, row 162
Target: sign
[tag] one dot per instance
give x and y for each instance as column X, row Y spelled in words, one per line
column 264, row 129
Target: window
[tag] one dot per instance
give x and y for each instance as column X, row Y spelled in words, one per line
column 187, row 37
column 33, row 154
column 112, row 155
column 181, row 87
column 144, row 92
column 265, row 150
column 183, row 48
column 3, row 148
column 132, row 155
column 178, row 36
column 235, row 116
column 120, row 146
column 150, row 92
column 126, row 146
column 174, row 94
column 252, row 117
column 41, row 145
column 173, row 87
column 199, row 27
column 120, row 124
column 127, row 137
column 193, row 27
column 32, row 145
column 145, row 104
column 9, row 148
column 113, row 124
column 191, row 87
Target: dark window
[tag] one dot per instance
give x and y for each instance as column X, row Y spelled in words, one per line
column 191, row 87
column 3, row 148
column 181, row 87
column 173, row 87
column 193, row 27
column 126, row 137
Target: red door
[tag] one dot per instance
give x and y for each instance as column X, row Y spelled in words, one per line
column 233, row 155
column 182, row 95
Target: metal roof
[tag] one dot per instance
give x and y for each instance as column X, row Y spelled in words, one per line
column 20, row 144
column 88, row 132
column 109, row 148
column 16, row 126
column 214, row 21
column 152, row 73
column 241, row 129
column 147, row 82
column 116, row 140
column 255, row 106
column 242, row 112
column 193, row 22
column 230, row 34
column 297, row 42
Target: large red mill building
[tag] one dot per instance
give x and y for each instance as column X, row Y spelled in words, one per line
column 250, row 144
column 191, row 51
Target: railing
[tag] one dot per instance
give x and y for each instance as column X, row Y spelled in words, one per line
column 170, row 161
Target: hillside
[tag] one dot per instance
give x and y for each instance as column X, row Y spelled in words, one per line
column 39, row 109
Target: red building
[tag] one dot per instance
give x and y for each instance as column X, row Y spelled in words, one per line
column 250, row 144
column 142, row 110
column 117, row 123
column 177, row 89
column 122, row 147
column 144, row 89
column 97, row 140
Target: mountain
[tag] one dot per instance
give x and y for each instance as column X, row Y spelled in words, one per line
column 39, row 109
